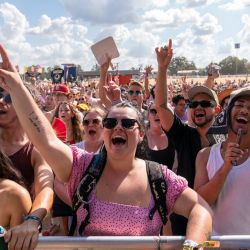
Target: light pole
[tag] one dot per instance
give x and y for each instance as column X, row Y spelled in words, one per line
column 236, row 46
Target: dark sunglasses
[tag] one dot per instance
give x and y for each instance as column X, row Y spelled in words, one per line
column 126, row 123
column 86, row 122
column 6, row 98
column 153, row 111
column 203, row 104
column 137, row 92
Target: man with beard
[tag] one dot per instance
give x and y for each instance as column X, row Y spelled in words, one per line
column 223, row 171
column 37, row 174
column 187, row 140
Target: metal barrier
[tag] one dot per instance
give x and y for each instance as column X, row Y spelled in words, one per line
column 133, row 242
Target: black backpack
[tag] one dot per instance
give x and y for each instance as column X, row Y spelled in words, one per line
column 93, row 173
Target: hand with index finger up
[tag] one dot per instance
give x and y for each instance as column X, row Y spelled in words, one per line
column 164, row 55
column 9, row 77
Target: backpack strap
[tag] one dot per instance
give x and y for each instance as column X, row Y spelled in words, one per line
column 85, row 187
column 158, row 187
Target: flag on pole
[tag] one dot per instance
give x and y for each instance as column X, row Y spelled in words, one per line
column 237, row 45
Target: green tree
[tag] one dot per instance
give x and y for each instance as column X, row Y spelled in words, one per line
column 180, row 63
column 232, row 65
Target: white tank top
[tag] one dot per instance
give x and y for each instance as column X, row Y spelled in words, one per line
column 232, row 208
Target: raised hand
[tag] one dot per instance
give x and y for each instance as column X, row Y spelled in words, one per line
column 148, row 69
column 9, row 77
column 164, row 55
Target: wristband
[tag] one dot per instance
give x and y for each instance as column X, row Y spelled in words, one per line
column 190, row 245
column 36, row 218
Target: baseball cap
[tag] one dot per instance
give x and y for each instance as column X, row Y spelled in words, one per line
column 238, row 93
column 194, row 91
column 61, row 88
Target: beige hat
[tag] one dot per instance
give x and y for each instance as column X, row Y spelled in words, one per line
column 238, row 93
column 194, row 91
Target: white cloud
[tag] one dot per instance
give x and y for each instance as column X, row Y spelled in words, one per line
column 208, row 24
column 157, row 20
column 236, row 5
column 196, row 3
column 244, row 34
column 59, row 29
column 14, row 24
column 105, row 11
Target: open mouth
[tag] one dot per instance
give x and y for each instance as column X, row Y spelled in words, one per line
column 2, row 112
column 118, row 140
column 241, row 120
column 199, row 115
column 92, row 132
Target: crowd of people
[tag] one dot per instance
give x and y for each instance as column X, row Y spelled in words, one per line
column 133, row 160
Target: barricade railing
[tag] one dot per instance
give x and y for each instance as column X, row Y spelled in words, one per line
column 134, row 242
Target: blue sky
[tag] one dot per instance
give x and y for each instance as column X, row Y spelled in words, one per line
column 52, row 32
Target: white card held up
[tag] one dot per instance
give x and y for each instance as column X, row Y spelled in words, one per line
column 105, row 48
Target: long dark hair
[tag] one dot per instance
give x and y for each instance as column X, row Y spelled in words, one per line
column 75, row 120
column 7, row 170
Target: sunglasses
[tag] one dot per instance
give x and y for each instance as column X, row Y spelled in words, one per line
column 86, row 122
column 153, row 111
column 6, row 98
column 137, row 92
column 203, row 104
column 126, row 123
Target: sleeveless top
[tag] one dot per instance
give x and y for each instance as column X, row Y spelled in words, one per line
column 164, row 156
column 22, row 161
column 114, row 219
column 232, row 208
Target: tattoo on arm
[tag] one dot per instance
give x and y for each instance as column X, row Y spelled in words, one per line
column 35, row 121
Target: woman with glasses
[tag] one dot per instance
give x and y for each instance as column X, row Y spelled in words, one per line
column 92, row 129
column 121, row 200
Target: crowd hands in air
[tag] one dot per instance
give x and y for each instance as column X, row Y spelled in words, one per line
column 198, row 133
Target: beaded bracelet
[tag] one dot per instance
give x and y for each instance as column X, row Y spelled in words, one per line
column 36, row 218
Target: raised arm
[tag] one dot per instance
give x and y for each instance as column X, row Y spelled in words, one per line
column 56, row 153
column 210, row 189
column 166, row 114
column 107, row 102
column 148, row 71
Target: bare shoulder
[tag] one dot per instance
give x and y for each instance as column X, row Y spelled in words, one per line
column 12, row 190
column 204, row 153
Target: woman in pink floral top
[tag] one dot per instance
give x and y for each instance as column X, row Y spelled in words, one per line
column 121, row 200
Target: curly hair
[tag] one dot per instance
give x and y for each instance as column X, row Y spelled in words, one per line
column 7, row 170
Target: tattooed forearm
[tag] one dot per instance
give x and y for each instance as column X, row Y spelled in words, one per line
column 35, row 121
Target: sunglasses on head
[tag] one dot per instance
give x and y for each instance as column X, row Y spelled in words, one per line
column 126, row 123
column 203, row 104
column 86, row 122
column 137, row 92
column 6, row 98
column 153, row 111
